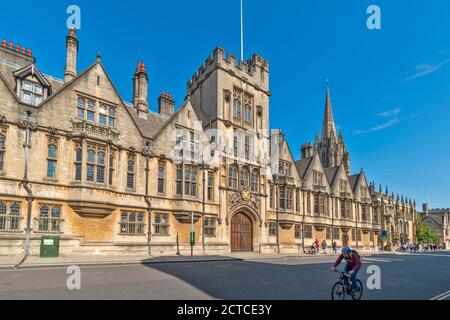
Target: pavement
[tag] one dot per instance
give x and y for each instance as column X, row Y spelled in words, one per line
column 8, row 262
column 422, row 276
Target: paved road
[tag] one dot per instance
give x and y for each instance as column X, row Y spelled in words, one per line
column 422, row 276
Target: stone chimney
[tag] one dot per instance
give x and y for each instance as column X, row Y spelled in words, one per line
column 140, row 83
column 14, row 53
column 425, row 209
column 307, row 150
column 70, row 71
column 166, row 105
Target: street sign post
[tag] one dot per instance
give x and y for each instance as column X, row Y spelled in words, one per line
column 192, row 234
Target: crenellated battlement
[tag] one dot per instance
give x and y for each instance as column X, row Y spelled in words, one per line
column 250, row 71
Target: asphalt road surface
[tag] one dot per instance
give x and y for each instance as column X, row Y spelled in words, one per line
column 403, row 277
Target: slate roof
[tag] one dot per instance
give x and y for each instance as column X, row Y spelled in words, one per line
column 7, row 70
column 353, row 180
column 148, row 126
column 331, row 174
column 303, row 165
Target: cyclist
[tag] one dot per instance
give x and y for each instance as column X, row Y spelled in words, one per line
column 353, row 263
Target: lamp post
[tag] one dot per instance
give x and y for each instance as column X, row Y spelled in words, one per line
column 28, row 122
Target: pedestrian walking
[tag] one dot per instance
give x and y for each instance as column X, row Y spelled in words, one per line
column 324, row 246
column 317, row 246
column 334, row 247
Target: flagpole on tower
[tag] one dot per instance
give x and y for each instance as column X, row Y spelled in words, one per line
column 242, row 32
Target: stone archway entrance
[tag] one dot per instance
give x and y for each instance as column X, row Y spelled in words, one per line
column 241, row 233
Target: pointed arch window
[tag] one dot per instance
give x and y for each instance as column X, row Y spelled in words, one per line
column 210, row 186
column 43, row 218
column 52, row 157
column 237, row 110
column 179, row 180
column 2, row 150
column 131, row 223
column 131, row 168
column 78, row 162
column 81, row 107
column 3, row 217
column 247, row 114
column 289, row 198
column 232, row 177
column 255, row 181
column 282, row 198
column 111, row 167
column 244, row 178
column 90, row 165
column 90, row 111
column 9, row 216
column 95, row 164
column 161, row 177
column 271, row 193
column 190, row 180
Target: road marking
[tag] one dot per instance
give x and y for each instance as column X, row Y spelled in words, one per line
column 422, row 254
column 442, row 296
column 378, row 260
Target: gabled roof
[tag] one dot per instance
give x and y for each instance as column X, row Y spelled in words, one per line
column 169, row 120
column 32, row 69
column 331, row 174
column 354, row 179
column 9, row 70
column 303, row 165
column 432, row 219
column 150, row 126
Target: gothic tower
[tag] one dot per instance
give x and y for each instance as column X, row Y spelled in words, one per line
column 331, row 147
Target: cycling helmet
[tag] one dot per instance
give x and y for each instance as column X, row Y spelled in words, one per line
column 346, row 250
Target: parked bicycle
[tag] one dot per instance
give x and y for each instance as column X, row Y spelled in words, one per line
column 343, row 287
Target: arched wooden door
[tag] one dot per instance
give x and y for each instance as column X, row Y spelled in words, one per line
column 345, row 239
column 241, row 233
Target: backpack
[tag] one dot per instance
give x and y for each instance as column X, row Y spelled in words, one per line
column 356, row 253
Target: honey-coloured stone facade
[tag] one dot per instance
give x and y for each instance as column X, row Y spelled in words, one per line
column 111, row 177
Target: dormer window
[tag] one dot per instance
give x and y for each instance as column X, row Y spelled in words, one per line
column 32, row 92
column 31, row 85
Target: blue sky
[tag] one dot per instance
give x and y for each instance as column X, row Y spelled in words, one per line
column 390, row 88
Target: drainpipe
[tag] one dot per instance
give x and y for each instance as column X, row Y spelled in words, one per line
column 203, row 209
column 356, row 230
column 26, row 185
column 149, row 207
column 303, row 221
column 27, row 121
column 332, row 220
column 277, row 217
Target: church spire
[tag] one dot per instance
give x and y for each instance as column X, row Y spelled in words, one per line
column 328, row 127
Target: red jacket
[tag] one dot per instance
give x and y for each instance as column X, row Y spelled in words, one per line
column 353, row 259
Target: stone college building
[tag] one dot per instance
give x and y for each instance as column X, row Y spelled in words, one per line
column 111, row 177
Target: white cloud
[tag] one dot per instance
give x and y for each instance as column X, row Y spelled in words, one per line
column 379, row 127
column 390, row 113
column 425, row 69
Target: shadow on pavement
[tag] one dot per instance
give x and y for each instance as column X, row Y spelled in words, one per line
column 254, row 280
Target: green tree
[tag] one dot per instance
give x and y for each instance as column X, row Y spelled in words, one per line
column 424, row 232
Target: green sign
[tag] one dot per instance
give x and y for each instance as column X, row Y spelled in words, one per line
column 192, row 238
column 49, row 247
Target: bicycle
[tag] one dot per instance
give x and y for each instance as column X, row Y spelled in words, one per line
column 343, row 286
